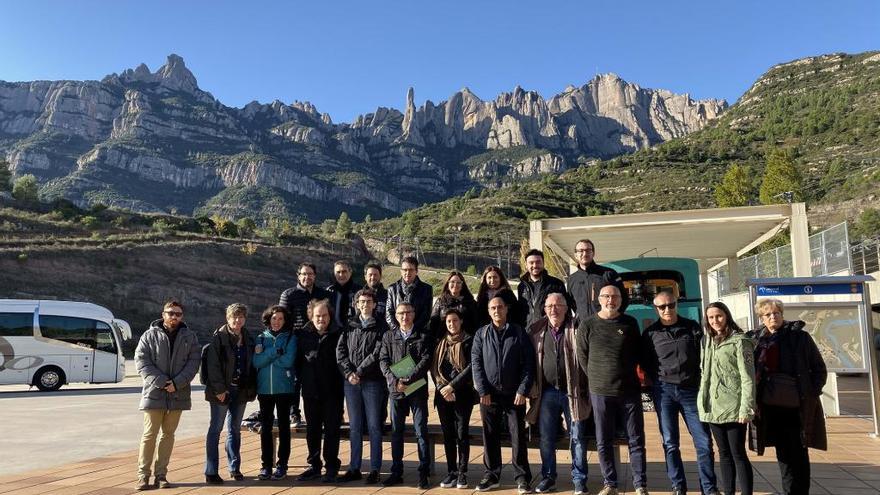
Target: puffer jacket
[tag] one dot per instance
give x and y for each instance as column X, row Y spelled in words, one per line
column 157, row 364
column 275, row 372
column 221, row 366
column 727, row 383
column 358, row 349
column 316, row 363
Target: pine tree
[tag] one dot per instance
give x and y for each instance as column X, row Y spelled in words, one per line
column 25, row 189
column 343, row 225
column 781, row 177
column 736, row 187
column 5, row 176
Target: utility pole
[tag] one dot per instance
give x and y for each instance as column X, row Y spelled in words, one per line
column 508, row 254
column 455, row 251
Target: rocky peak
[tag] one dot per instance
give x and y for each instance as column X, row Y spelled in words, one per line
column 173, row 75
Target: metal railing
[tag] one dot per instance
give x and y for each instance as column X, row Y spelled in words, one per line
column 866, row 256
column 829, row 254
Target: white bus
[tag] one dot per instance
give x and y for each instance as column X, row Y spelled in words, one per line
column 50, row 343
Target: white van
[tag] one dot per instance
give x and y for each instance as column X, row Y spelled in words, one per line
column 50, row 343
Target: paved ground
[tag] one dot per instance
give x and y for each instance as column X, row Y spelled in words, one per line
column 83, row 439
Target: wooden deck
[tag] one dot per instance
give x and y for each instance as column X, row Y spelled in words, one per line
column 851, row 466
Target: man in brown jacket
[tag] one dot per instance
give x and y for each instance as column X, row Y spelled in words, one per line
column 560, row 388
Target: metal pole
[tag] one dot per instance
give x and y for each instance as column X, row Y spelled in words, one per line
column 455, row 251
column 874, row 380
column 846, row 246
column 508, row 254
column 753, row 320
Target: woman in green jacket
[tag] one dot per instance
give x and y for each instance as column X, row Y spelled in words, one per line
column 726, row 400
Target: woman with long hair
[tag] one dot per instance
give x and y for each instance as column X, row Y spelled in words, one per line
column 492, row 282
column 455, row 295
column 726, row 399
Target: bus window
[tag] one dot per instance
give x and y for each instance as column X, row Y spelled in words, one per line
column 79, row 331
column 104, row 338
column 644, row 286
column 16, row 325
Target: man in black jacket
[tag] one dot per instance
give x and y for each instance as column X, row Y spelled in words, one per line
column 411, row 341
column 534, row 287
column 321, row 390
column 589, row 278
column 365, row 392
column 410, row 289
column 503, row 364
column 296, row 301
column 373, row 279
column 342, row 293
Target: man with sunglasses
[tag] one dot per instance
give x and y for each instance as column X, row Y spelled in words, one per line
column 167, row 357
column 671, row 359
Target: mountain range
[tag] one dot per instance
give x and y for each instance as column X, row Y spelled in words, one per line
column 156, row 142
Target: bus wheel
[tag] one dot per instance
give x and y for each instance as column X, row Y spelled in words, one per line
column 49, row 379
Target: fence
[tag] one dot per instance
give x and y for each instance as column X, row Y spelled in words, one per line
column 866, row 257
column 829, row 254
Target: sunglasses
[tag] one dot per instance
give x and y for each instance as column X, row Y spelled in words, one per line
column 174, row 313
column 663, row 307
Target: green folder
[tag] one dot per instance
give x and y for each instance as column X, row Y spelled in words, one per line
column 405, row 369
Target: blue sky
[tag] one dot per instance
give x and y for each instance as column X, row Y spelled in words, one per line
column 349, row 57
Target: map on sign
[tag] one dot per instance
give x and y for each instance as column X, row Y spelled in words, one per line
column 838, row 333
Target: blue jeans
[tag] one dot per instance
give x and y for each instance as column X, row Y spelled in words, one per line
column 365, row 401
column 670, row 400
column 606, row 411
column 416, row 403
column 230, row 414
column 553, row 403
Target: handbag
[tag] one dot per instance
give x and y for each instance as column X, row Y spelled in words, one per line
column 781, row 390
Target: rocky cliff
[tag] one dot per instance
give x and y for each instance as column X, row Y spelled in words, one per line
column 154, row 141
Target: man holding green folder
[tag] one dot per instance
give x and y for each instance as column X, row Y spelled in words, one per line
column 404, row 359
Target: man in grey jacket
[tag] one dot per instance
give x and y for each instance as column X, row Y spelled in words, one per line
column 167, row 358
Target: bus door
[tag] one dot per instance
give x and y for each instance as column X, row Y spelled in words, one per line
column 105, row 366
column 73, row 342
column 16, row 345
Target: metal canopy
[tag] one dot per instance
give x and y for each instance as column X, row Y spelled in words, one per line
column 710, row 236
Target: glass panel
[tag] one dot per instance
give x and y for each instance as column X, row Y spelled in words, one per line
column 79, row 331
column 16, row 324
column 104, row 338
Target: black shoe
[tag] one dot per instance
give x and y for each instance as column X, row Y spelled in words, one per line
column 449, row 480
column 236, row 475
column 522, row 486
column 162, row 482
column 265, row 474
column 349, row 475
column 423, row 482
column 462, row 481
column 296, row 420
column 329, row 478
column 373, row 477
column 309, row 474
column 394, row 479
column 546, row 485
column 213, row 479
column 488, row 482
column 678, row 491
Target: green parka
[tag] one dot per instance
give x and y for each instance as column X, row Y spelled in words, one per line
column 727, row 383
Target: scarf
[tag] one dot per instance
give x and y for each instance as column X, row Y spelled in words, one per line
column 453, row 347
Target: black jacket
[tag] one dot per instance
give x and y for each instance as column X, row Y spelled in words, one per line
column 531, row 296
column 503, row 363
column 220, row 360
column 358, row 349
column 316, row 363
column 513, row 309
column 419, row 294
column 419, row 345
column 342, row 301
column 584, row 287
column 465, row 304
column 381, row 301
column 296, row 300
column 671, row 354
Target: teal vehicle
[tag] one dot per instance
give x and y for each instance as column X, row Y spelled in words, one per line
column 645, row 277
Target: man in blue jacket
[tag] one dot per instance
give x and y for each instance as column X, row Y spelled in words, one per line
column 503, row 364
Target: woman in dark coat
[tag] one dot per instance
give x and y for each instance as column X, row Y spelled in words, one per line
column 790, row 374
column 455, row 295
column 230, row 384
column 455, row 396
column 493, row 281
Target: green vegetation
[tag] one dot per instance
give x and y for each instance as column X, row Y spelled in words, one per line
column 736, row 188
column 25, row 189
column 782, row 182
column 5, row 176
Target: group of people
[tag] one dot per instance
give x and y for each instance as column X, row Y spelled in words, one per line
column 548, row 354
